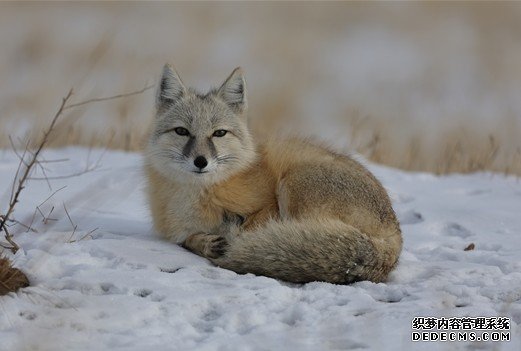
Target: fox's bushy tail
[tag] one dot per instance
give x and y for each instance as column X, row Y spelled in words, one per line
column 302, row 251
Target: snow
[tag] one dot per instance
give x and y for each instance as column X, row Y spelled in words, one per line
column 123, row 288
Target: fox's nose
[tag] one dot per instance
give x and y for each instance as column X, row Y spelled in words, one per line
column 200, row 162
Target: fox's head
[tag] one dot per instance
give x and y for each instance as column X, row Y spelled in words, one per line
column 200, row 137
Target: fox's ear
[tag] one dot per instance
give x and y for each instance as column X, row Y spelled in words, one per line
column 170, row 89
column 233, row 91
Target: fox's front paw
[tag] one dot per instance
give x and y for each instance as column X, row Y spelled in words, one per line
column 215, row 246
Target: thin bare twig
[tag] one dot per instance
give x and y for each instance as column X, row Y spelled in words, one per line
column 41, row 213
column 109, row 97
column 54, row 161
column 20, row 181
column 83, row 237
column 3, row 246
column 50, row 196
column 89, row 168
column 74, row 226
column 48, row 217
column 37, row 209
column 28, row 168
column 17, row 172
column 29, row 228
column 14, row 247
column 20, row 157
column 72, row 175
column 45, row 175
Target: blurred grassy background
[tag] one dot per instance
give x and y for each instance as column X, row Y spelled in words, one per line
column 421, row 86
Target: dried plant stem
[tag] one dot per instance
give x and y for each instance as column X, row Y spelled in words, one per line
column 23, row 179
column 8, row 237
column 109, row 97
column 20, row 181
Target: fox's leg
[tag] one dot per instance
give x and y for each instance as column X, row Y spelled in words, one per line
column 214, row 245
column 206, row 245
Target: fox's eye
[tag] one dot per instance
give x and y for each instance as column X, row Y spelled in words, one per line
column 181, row 131
column 220, row 133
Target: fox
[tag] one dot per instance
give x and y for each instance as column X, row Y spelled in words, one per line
column 285, row 208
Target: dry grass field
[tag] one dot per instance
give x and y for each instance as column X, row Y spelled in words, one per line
column 420, row 86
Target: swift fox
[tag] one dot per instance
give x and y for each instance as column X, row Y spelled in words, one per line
column 286, row 209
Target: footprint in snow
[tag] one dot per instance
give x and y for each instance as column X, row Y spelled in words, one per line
column 455, row 229
column 111, row 289
column 169, row 270
column 28, row 315
column 143, row 292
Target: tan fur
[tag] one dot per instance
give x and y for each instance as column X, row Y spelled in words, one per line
column 310, row 214
column 11, row 279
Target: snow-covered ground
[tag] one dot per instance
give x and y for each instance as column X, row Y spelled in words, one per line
column 123, row 288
